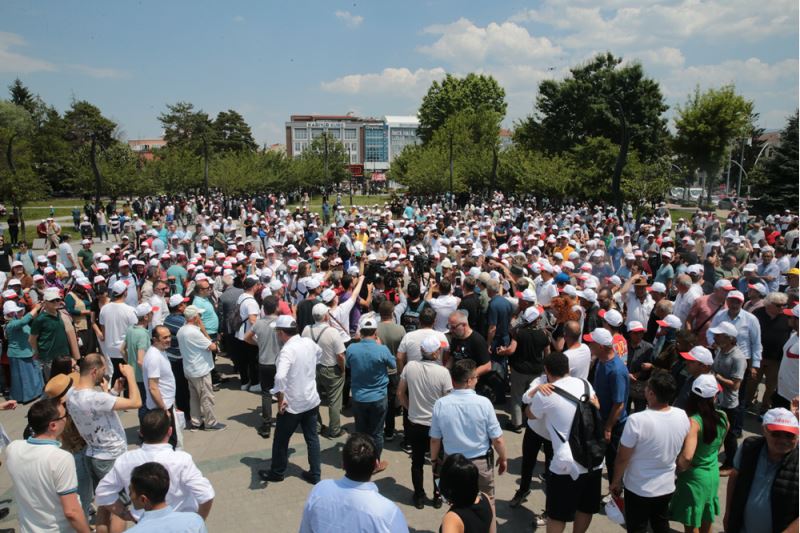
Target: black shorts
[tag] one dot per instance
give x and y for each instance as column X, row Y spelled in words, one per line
column 566, row 496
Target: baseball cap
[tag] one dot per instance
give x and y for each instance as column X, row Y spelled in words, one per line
column 284, row 322
column 670, row 321
column 119, row 287
column 736, row 295
column 658, row 287
column 176, row 299
column 531, row 314
column 562, row 278
column 319, row 311
column 569, row 290
column 144, row 309
column 701, row 354
column 367, row 322
column 724, row 284
column 11, row 308
column 780, row 419
column 9, row 294
column 191, row 311
column 613, row 317
column 635, row 325
column 794, row 311
column 430, row 344
column 328, row 295
column 600, row 335
column 705, row 386
column 312, row 283
column 793, row 272
column 51, row 294
column 588, row 294
column 99, row 279
column 760, row 287
column 724, row 328
column 529, row 295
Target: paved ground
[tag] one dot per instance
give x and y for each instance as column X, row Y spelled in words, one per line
column 231, row 458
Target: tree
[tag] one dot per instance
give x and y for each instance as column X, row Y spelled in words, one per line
column 176, row 169
column 86, row 126
column 185, row 128
column 232, row 133
column 779, row 190
column 21, row 96
column 324, row 162
column 707, row 125
column 452, row 95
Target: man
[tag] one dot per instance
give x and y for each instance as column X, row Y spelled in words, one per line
column 467, row 344
column 44, row 476
column 638, row 302
column 688, row 292
column 228, row 309
column 698, row 361
column 78, row 304
column 763, row 488
column 115, row 318
column 51, row 334
column 409, row 348
column 573, row 492
column 246, row 353
column 264, row 336
column 368, row 362
column 768, row 270
column 129, row 279
column 650, row 444
column 196, row 347
column 705, row 308
column 390, row 335
column 160, row 381
column 579, row 354
column 422, row 383
column 466, row 423
column 612, row 382
column 789, row 371
column 729, row 368
column 188, row 490
column 298, row 400
column 202, row 300
column 352, row 503
column 149, row 485
column 775, row 331
column 444, row 304
column 136, row 344
column 174, row 321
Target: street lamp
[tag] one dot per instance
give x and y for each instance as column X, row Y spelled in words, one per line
column 739, row 184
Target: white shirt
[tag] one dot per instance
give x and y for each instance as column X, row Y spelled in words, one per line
column 638, row 310
column 538, row 425
column 411, row 341
column 656, row 438
column 156, row 366
column 41, row 473
column 558, row 413
column 197, row 358
column 580, row 359
column 546, row 291
column 92, row 412
column 247, row 306
column 116, row 318
column 342, row 316
column 296, row 374
column 161, row 314
column 329, row 341
column 683, row 303
column 788, row 374
column 444, row 307
column 426, row 381
column 187, row 486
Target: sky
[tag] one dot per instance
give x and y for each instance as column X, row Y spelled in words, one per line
column 271, row 59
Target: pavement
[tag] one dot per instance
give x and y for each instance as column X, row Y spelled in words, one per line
column 231, row 458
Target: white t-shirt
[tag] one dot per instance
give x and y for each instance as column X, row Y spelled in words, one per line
column 93, row 413
column 329, row 341
column 427, row 382
column 411, row 341
column 538, row 425
column 197, row 359
column 580, row 359
column 656, row 438
column 156, row 366
column 788, row 374
column 41, row 473
column 558, row 413
column 116, row 318
column 247, row 306
column 444, row 307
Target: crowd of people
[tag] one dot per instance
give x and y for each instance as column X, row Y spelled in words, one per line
column 635, row 346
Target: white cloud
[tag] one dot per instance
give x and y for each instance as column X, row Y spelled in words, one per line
column 388, row 81
column 100, row 72
column 463, row 43
column 664, row 56
column 19, row 63
column 750, row 76
column 350, row 20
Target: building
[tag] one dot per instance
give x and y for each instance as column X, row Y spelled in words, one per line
column 506, row 138
column 146, row 147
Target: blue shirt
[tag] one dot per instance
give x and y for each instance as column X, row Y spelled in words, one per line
column 758, row 510
column 611, row 382
column 209, row 316
column 664, row 274
column 343, row 506
column 168, row 521
column 368, row 361
column 499, row 314
column 465, row 422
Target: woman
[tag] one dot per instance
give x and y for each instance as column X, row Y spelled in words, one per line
column 695, row 502
column 18, row 273
column 26, row 375
column 470, row 510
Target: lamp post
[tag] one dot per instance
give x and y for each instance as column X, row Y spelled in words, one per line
column 739, row 184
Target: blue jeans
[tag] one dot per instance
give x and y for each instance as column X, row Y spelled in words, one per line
column 285, row 426
column 370, row 418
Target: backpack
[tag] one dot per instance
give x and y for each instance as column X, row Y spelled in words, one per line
column 410, row 317
column 234, row 319
column 586, row 439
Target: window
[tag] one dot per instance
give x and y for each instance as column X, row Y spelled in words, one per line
column 301, row 133
column 335, row 134
column 316, row 133
column 350, row 134
column 298, row 147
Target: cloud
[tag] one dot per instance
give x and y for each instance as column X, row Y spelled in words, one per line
column 350, row 20
column 389, row 80
column 750, row 76
column 664, row 56
column 100, row 72
column 18, row 63
column 238, row 18
column 463, row 43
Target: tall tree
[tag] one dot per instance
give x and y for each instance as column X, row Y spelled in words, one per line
column 21, row 96
column 446, row 98
column 323, row 163
column 232, row 133
column 706, row 127
column 185, row 128
column 86, row 126
column 779, row 188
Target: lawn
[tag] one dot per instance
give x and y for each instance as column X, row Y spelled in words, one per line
column 316, row 202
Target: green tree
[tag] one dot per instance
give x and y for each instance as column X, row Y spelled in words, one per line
column 232, row 133
column 706, row 127
column 176, row 169
column 86, row 126
column 779, row 188
column 452, row 95
column 324, row 162
column 22, row 96
column 530, row 172
column 185, row 128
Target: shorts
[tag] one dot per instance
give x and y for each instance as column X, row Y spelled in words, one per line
column 566, row 496
column 98, row 468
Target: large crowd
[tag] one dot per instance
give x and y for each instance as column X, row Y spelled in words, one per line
column 638, row 346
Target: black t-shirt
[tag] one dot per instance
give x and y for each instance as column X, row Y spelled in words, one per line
column 473, row 347
column 472, row 305
column 528, row 358
column 304, row 316
column 5, row 257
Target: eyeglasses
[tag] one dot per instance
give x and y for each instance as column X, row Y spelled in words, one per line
column 783, row 435
column 60, row 418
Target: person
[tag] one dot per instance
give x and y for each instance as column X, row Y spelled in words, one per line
column 26, row 375
column 573, row 492
column 695, row 502
column 775, row 331
column 762, row 492
column 463, row 422
column 136, row 344
column 788, row 373
column 330, row 369
column 196, row 346
column 640, row 365
column 50, row 335
column 247, row 354
column 578, row 353
column 444, row 304
column 43, row 475
column 390, row 335
column 115, row 318
column 188, row 489
column 352, row 503
column 729, row 369
column 421, row 384
column 368, row 362
column 160, row 381
column 465, row 343
column 78, row 303
column 470, row 509
column 149, row 486
column 298, row 400
column 409, row 348
column 648, row 448
column 263, row 334
column 697, row 361
column 174, row 321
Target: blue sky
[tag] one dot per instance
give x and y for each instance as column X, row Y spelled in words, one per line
column 270, row 59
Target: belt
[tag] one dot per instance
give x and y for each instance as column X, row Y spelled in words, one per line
column 484, row 456
column 325, row 366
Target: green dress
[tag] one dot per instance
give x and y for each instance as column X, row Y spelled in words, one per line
column 696, row 498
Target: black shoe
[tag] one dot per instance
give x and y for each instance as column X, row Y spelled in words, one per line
column 406, row 446
column 511, row 427
column 265, row 431
column 342, row 432
column 4, row 513
column 437, row 502
column 389, row 437
column 419, row 501
column 309, row 477
column 519, row 497
column 268, row 475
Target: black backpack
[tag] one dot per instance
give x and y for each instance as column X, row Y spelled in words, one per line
column 234, row 319
column 410, row 317
column 586, row 439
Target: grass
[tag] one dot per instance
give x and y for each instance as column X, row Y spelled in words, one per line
column 316, row 202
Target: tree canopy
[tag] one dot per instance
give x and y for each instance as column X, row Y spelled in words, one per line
column 779, row 188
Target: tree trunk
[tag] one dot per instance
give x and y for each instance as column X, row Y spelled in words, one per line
column 622, row 159
column 98, row 178
column 205, row 167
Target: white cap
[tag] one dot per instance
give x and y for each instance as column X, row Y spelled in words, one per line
column 724, row 284
column 319, row 311
column 430, row 344
column 284, row 322
column 736, row 295
column 51, row 294
column 529, row 295
column 780, row 419
column 635, row 325
column 569, row 290
column 119, row 287
column 531, row 314
column 670, row 321
column 588, row 294
column 312, row 283
column 192, row 311
column 328, row 295
column 701, row 354
column 658, row 287
column 705, row 386
column 367, row 322
column 176, row 299
column 144, row 309
column 11, row 308
column 600, row 335
column 613, row 317
column 724, row 328
column 760, row 287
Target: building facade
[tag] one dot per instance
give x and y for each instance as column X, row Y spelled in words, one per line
column 146, row 147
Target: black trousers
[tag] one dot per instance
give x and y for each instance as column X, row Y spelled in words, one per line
column 730, row 444
column 641, row 511
column 391, row 409
column 245, row 357
column 181, row 388
column 531, row 444
column 417, row 436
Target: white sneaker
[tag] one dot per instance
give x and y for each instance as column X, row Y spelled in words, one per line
column 245, row 386
column 255, row 388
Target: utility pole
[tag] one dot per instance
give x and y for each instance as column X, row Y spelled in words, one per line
column 451, row 168
column 325, row 137
column 741, row 167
